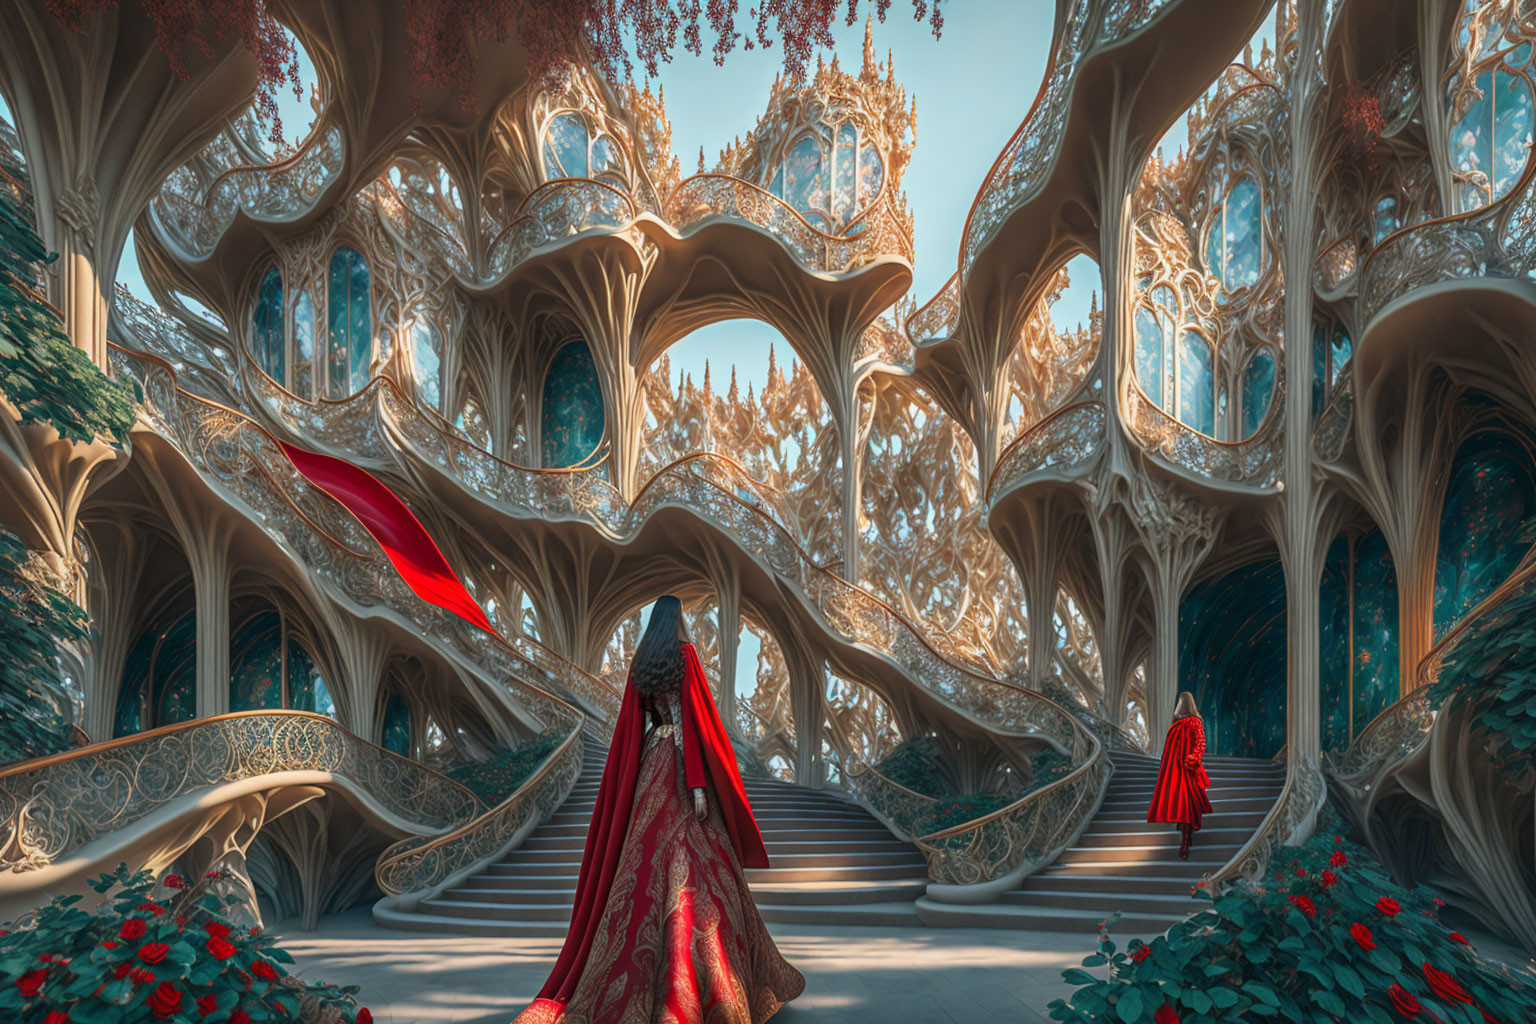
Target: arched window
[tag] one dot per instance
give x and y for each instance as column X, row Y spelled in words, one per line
column 1155, row 330
column 304, row 345
column 159, row 684
column 1258, row 386
column 1234, row 248
column 1491, row 141
column 427, row 362
column 1197, row 383
column 831, row 176
column 350, row 322
column 572, row 150
column 269, row 669
column 268, row 339
column 572, row 421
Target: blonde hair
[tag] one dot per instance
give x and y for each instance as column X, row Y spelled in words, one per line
column 1184, row 707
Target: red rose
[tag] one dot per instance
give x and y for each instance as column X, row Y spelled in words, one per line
column 1166, row 1014
column 133, row 928
column 1403, row 1001
column 263, row 970
column 56, row 1017
column 219, row 949
column 153, row 908
column 1387, row 905
column 239, row 1017
column 31, row 983
column 1362, row 935
column 1301, row 872
column 1140, row 953
column 122, row 969
column 364, row 1017
column 109, row 944
column 1329, row 878
column 217, row 928
column 207, row 1004
column 1458, row 937
column 165, row 1000
column 1445, row 986
column 141, row 975
column 1338, row 859
column 153, row 952
column 175, row 882
column 1304, row 905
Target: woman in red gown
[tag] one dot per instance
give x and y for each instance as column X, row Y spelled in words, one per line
column 1179, row 795
column 664, row 930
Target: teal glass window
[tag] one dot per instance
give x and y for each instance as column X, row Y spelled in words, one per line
column 1258, row 387
column 1234, row 248
column 565, row 147
column 396, row 733
column 1489, row 499
column 256, row 664
column 427, row 362
column 159, row 681
column 306, row 687
column 267, row 335
column 304, row 345
column 1384, row 221
column 572, row 420
column 350, row 322
column 830, row 179
column 1197, row 384
column 1491, row 141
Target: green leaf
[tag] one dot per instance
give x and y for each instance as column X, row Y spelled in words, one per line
column 1129, row 1007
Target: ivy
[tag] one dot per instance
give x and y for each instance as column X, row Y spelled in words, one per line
column 498, row 776
column 38, row 618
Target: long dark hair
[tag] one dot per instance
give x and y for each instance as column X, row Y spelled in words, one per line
column 658, row 662
column 1184, row 707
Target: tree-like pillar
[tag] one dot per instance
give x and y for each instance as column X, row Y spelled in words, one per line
column 806, row 697
column 728, row 628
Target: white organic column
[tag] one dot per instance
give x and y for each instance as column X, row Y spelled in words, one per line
column 210, row 581
column 728, row 628
column 806, row 696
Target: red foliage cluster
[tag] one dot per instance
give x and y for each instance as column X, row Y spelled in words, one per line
column 444, row 34
column 187, row 31
column 1362, row 121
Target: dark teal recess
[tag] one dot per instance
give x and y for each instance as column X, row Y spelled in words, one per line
column 349, row 321
column 1489, row 499
column 1232, row 651
column 1357, row 612
column 572, row 422
column 397, row 726
column 256, row 664
column 267, row 336
column 159, row 684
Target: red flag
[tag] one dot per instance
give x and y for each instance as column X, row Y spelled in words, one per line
column 410, row 548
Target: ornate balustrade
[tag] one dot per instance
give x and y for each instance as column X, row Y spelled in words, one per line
column 904, row 809
column 1256, row 462
column 1496, row 241
column 1067, row 439
column 1331, row 431
column 52, row 806
column 1022, row 835
column 1022, row 167
column 198, row 202
column 418, row 865
column 935, row 320
column 1335, row 266
column 884, row 230
column 1299, row 800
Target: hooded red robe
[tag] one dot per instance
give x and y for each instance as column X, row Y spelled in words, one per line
column 707, row 753
column 1179, row 795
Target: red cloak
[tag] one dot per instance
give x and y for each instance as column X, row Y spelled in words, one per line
column 707, row 752
column 1179, row 795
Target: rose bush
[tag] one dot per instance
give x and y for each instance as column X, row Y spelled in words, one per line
column 1326, row 936
column 155, row 952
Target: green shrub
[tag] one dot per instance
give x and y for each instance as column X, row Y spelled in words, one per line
column 918, row 763
column 155, row 952
column 37, row 618
column 497, row 777
column 1326, row 937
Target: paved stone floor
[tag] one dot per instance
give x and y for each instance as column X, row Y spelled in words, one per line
column 852, row 975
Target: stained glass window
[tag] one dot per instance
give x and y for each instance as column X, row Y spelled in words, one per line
column 1491, row 141
column 1258, row 386
column 267, row 335
column 427, row 362
column 830, row 180
column 1234, row 249
column 350, row 322
column 572, row 420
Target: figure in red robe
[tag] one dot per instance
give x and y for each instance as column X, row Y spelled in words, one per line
column 1179, row 795
column 664, row 928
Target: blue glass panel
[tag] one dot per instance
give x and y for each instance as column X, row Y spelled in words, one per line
column 1491, row 141
column 1375, row 630
column 605, row 156
column 350, row 323
column 304, row 345
column 1149, row 354
column 396, row 734
column 1488, row 501
column 1244, row 236
column 1197, row 384
column 1385, row 221
column 871, row 173
column 427, row 361
column 805, row 177
column 844, row 172
column 572, row 421
column 1319, row 368
column 1340, row 354
column 1258, row 385
column 267, row 326
column 306, row 689
column 1232, row 657
column 1334, row 609
column 256, row 664
column 565, row 147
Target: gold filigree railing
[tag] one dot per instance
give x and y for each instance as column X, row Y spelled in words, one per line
column 905, row 810
column 1331, row 431
column 1068, row 438
column 53, row 806
column 1256, row 462
column 1300, row 798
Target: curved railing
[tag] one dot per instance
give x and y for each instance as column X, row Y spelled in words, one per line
column 935, row 320
column 1300, row 798
column 904, row 810
column 53, row 806
column 1021, row 168
column 881, row 231
column 198, row 201
column 1331, row 431
column 1021, row 836
column 415, row 865
column 1256, row 462
column 1495, row 241
column 1335, row 266
column 1068, row 438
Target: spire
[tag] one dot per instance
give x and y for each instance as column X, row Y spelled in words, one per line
column 734, row 395
column 870, row 70
column 706, row 377
column 701, row 159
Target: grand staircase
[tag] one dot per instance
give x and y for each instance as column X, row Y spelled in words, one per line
column 1121, row 862
column 832, row 862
